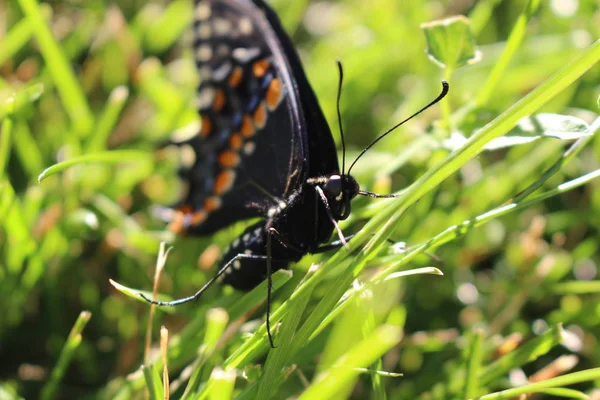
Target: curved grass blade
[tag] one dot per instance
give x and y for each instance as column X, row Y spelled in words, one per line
column 569, row 379
column 109, row 157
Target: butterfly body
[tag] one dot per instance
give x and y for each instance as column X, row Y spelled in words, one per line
column 299, row 226
column 264, row 148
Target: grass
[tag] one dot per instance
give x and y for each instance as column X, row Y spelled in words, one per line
column 493, row 282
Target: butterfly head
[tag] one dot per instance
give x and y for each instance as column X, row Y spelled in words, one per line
column 340, row 190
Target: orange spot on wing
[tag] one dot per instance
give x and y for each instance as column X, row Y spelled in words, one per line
column 206, row 125
column 224, row 181
column 235, row 141
column 274, row 94
column 247, row 127
column 260, row 116
column 198, row 217
column 228, row 159
column 176, row 225
column 212, row 203
column 260, row 68
column 219, row 101
column 236, row 77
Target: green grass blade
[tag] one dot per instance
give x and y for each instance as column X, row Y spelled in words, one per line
column 223, row 384
column 512, row 45
column 276, row 360
column 481, row 13
column 329, row 382
column 62, row 74
column 566, row 157
column 459, row 230
column 68, row 350
column 6, row 130
column 154, row 386
column 109, row 157
column 14, row 40
column 576, row 287
column 27, row 149
column 107, row 121
column 569, row 379
column 168, row 27
column 530, row 351
column 474, row 359
column 216, row 322
column 16, row 102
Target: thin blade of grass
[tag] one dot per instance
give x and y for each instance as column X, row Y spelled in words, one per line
column 530, row 351
column 513, row 43
column 569, row 379
column 216, row 322
column 108, row 157
column 566, row 157
column 459, row 230
column 66, row 354
column 27, row 149
column 107, row 121
column 329, row 382
column 342, row 305
column 168, row 27
column 154, row 387
column 18, row 36
column 223, row 384
column 19, row 100
column 62, row 74
column 6, row 131
column 576, row 287
column 276, row 360
column 473, row 364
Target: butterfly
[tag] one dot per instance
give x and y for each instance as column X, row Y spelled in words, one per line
column 263, row 149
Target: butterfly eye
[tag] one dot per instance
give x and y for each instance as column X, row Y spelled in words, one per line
column 333, row 187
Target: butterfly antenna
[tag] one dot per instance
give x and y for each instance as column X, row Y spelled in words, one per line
column 445, row 88
column 339, row 113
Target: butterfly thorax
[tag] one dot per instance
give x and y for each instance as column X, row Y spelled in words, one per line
column 298, row 226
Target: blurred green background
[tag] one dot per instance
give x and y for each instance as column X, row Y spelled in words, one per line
column 79, row 78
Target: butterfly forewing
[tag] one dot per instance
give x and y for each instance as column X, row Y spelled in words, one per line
column 322, row 156
column 250, row 151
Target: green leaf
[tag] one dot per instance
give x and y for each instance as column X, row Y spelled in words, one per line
column 530, row 129
column 450, row 42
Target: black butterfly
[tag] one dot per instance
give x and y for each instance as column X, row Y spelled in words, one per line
column 264, row 148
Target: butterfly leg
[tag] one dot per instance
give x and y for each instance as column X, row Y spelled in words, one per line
column 205, row 287
column 272, row 232
column 330, row 215
column 333, row 245
column 338, row 243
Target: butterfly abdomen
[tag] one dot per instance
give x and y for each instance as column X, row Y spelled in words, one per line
column 247, row 255
column 296, row 229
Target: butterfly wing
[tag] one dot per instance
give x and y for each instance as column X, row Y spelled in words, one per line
column 321, row 147
column 251, row 149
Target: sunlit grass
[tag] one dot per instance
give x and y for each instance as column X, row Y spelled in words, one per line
column 476, row 282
